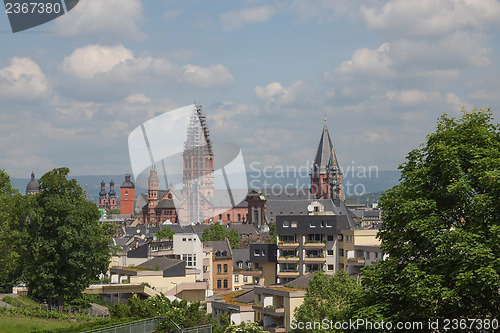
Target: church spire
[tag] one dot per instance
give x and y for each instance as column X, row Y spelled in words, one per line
column 325, row 171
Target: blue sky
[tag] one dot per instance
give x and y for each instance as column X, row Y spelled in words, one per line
column 266, row 72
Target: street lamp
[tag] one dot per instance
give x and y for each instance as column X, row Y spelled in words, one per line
column 175, row 288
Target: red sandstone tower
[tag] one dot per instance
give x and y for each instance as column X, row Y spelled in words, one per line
column 127, row 196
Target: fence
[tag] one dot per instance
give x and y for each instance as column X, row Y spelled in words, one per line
column 148, row 326
column 140, row 326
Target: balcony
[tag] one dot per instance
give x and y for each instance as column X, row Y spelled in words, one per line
column 287, row 245
column 290, row 274
column 283, row 260
column 356, row 261
column 312, row 260
column 314, row 245
column 270, row 310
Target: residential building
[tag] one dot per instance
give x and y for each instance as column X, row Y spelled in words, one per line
column 222, row 265
column 358, row 248
column 308, row 243
column 264, row 260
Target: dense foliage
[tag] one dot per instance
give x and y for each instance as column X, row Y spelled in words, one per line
column 175, row 312
column 13, row 219
column 218, row 232
column 333, row 298
column 442, row 228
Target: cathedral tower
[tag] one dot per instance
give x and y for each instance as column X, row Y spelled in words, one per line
column 198, row 170
column 326, row 176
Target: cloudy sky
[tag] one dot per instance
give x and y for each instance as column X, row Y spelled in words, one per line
column 266, row 72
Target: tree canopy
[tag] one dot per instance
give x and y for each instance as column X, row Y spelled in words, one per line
column 328, row 297
column 67, row 246
column 218, row 232
column 13, row 218
column 442, row 227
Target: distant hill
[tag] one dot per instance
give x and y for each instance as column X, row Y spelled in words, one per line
column 354, row 185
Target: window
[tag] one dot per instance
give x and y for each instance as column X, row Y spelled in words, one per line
column 249, row 264
column 218, row 268
column 225, row 283
column 225, row 268
column 313, row 224
column 376, row 255
column 236, row 278
column 341, row 252
column 219, row 284
column 126, row 195
column 184, row 239
column 228, row 217
column 330, row 238
column 263, row 252
column 240, row 264
column 256, row 252
column 190, row 259
column 286, row 224
column 245, row 279
column 294, row 224
column 330, row 267
column 329, row 224
column 330, row 252
column 239, row 217
column 154, row 247
column 220, row 216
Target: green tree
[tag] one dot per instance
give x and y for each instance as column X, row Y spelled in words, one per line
column 218, row 232
column 67, row 247
column 442, row 228
column 13, row 219
column 165, row 233
column 244, row 327
column 329, row 297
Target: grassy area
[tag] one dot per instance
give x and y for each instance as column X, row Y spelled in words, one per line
column 23, row 324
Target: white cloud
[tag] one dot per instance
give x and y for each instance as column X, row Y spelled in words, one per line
column 368, row 61
column 206, row 77
column 138, row 98
column 431, row 17
column 110, row 18
column 413, row 97
column 90, row 60
column 235, row 19
column 275, row 93
column 23, row 79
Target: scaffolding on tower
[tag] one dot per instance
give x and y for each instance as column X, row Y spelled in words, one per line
column 196, row 149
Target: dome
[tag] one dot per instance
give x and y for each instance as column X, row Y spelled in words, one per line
column 32, row 186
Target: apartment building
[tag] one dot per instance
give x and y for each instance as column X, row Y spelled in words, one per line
column 358, row 248
column 308, row 243
column 222, row 265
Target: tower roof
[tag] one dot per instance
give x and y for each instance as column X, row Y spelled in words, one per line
column 32, row 186
column 326, row 158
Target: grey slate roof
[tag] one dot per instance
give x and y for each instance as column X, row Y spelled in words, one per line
column 242, row 255
column 222, row 249
column 325, row 155
column 301, row 282
column 162, row 262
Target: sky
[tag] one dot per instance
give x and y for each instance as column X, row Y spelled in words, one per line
column 265, row 72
